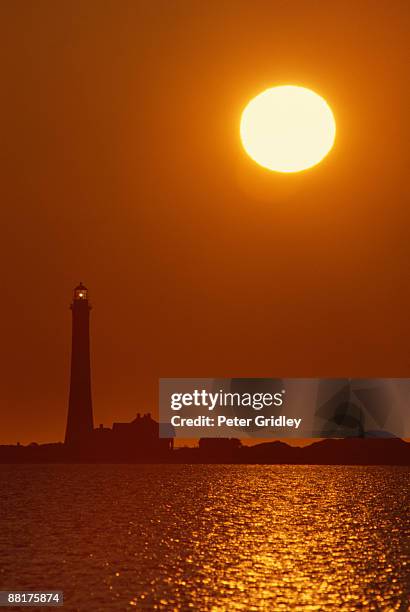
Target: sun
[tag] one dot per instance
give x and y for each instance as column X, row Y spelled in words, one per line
column 287, row 128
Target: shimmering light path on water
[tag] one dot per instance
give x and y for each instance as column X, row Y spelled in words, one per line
column 124, row 537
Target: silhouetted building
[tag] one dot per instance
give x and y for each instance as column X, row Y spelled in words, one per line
column 80, row 411
column 142, row 433
column 135, row 441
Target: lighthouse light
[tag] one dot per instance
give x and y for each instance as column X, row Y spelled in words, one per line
column 80, row 292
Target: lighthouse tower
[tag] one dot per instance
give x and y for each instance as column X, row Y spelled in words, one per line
column 80, row 411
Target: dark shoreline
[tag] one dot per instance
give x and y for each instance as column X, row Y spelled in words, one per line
column 349, row 451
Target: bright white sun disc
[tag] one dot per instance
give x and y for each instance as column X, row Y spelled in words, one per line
column 287, row 128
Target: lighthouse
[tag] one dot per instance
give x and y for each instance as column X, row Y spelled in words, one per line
column 80, row 411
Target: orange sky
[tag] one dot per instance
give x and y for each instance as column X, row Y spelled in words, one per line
column 121, row 166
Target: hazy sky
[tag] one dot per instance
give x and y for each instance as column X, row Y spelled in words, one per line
column 121, row 166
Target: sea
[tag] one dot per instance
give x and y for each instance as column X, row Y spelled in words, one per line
column 208, row 537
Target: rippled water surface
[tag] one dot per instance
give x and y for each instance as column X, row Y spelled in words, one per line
column 217, row 537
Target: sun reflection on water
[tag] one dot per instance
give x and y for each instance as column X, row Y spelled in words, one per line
column 209, row 537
